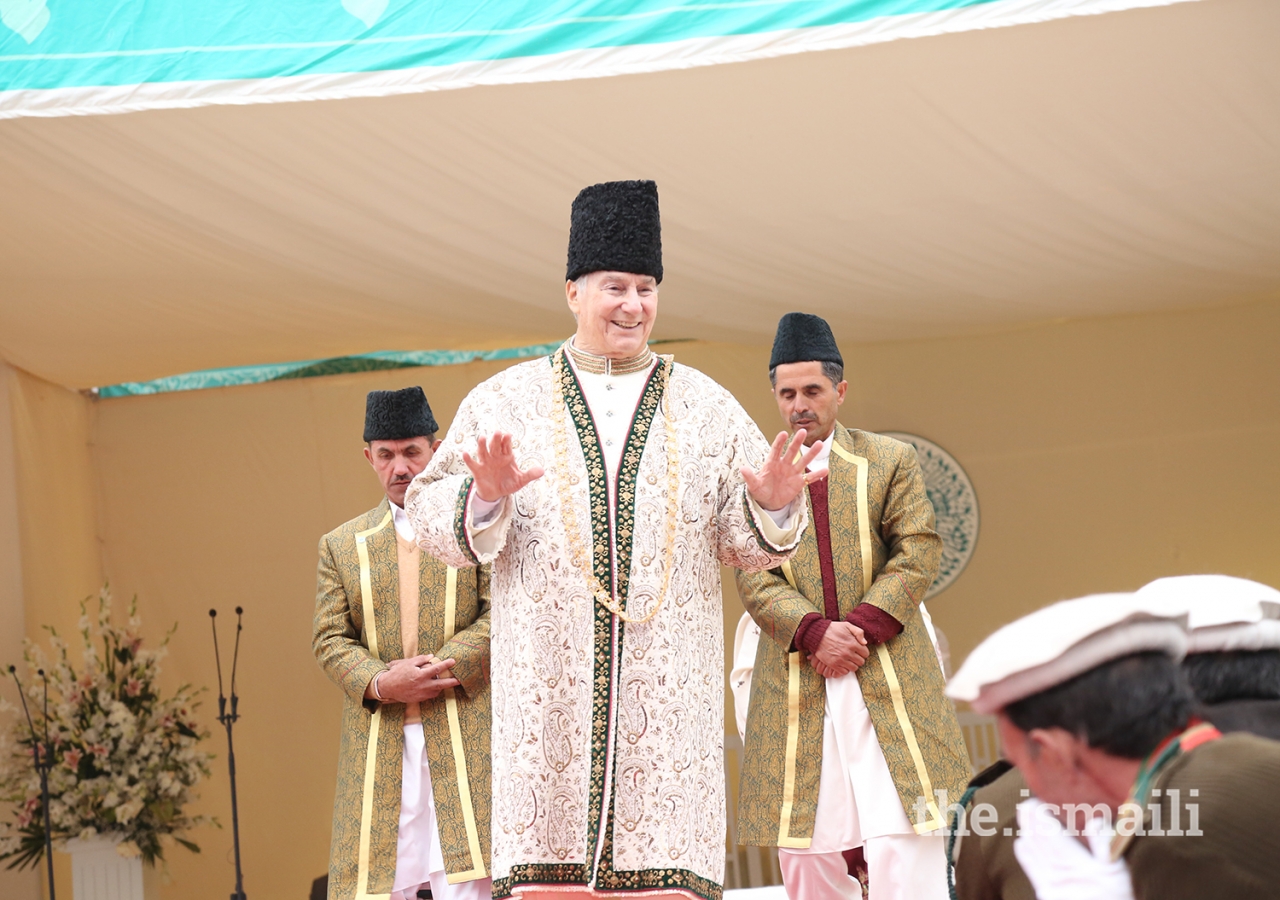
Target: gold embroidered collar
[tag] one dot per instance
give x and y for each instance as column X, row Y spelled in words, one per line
column 604, row 365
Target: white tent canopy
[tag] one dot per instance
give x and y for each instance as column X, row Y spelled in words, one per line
column 971, row 181
column 987, row 179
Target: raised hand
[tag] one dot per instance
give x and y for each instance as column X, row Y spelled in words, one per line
column 494, row 468
column 782, row 477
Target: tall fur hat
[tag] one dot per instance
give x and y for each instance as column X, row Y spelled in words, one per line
column 397, row 415
column 615, row 227
column 803, row 337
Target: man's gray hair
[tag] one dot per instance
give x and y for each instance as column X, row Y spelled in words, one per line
column 581, row 282
column 833, row 371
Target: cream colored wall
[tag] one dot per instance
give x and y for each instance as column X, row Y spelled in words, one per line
column 60, row 547
column 57, row 502
column 13, row 885
column 1104, row 453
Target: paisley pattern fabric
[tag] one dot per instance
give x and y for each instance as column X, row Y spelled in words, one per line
column 607, row 736
column 904, row 557
column 342, row 642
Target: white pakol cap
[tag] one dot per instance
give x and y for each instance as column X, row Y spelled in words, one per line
column 1224, row 613
column 1061, row 641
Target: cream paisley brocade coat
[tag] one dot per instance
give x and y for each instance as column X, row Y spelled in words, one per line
column 607, row 736
column 901, row 681
column 453, row 622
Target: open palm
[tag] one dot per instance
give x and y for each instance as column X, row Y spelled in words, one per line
column 495, row 470
column 782, row 477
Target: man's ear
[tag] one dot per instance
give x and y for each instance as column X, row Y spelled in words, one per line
column 1054, row 749
column 435, row 444
column 571, row 296
column 368, row 454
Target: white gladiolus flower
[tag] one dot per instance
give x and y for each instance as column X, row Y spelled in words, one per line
column 115, row 753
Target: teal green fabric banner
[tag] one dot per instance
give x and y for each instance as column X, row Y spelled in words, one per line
column 310, row 368
column 81, row 57
column 337, row 365
column 78, row 43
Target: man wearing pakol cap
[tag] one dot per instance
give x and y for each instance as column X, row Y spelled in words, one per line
column 1233, row 649
column 406, row 637
column 1134, row 797
column 850, row 741
column 607, row 488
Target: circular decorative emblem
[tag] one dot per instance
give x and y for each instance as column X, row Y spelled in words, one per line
column 954, row 503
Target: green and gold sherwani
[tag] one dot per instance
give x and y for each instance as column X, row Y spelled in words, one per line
column 885, row 553
column 357, row 631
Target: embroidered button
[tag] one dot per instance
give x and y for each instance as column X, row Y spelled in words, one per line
column 609, row 413
column 608, row 443
column 608, row 387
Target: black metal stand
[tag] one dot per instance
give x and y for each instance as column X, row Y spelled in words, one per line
column 44, row 765
column 228, row 719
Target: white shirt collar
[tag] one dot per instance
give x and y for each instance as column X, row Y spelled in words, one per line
column 404, row 527
column 822, row 461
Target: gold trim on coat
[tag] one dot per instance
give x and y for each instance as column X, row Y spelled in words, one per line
column 900, row 707
column 882, row 652
column 793, row 742
column 477, row 870
column 371, row 750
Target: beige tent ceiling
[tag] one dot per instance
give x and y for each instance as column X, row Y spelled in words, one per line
column 1105, row 164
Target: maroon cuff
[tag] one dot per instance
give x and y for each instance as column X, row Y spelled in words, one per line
column 876, row 624
column 809, row 633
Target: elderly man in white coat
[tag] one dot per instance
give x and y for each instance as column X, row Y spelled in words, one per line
column 615, row 485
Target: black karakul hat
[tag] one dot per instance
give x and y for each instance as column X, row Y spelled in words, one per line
column 397, row 415
column 615, row 227
column 803, row 337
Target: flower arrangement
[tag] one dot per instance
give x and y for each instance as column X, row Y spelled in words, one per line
column 125, row 759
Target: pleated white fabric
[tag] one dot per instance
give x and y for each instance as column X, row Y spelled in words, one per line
column 418, row 852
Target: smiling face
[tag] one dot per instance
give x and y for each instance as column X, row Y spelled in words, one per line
column 808, row 399
column 615, row 312
column 398, row 462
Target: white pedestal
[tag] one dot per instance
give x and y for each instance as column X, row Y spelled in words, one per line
column 98, row 872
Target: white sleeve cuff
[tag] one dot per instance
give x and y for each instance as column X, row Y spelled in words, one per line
column 487, row 522
column 780, row 526
column 484, row 513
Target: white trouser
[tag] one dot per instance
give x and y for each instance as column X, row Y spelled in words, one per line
column 857, row 797
column 419, row 860
column 899, row 867
column 859, row 806
column 481, row 889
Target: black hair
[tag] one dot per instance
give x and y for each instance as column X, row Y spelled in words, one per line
column 1234, row 675
column 833, row 370
column 431, row 439
column 1125, row 707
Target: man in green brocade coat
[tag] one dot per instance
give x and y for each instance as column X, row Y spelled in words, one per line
column 850, row 741
column 407, row 639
